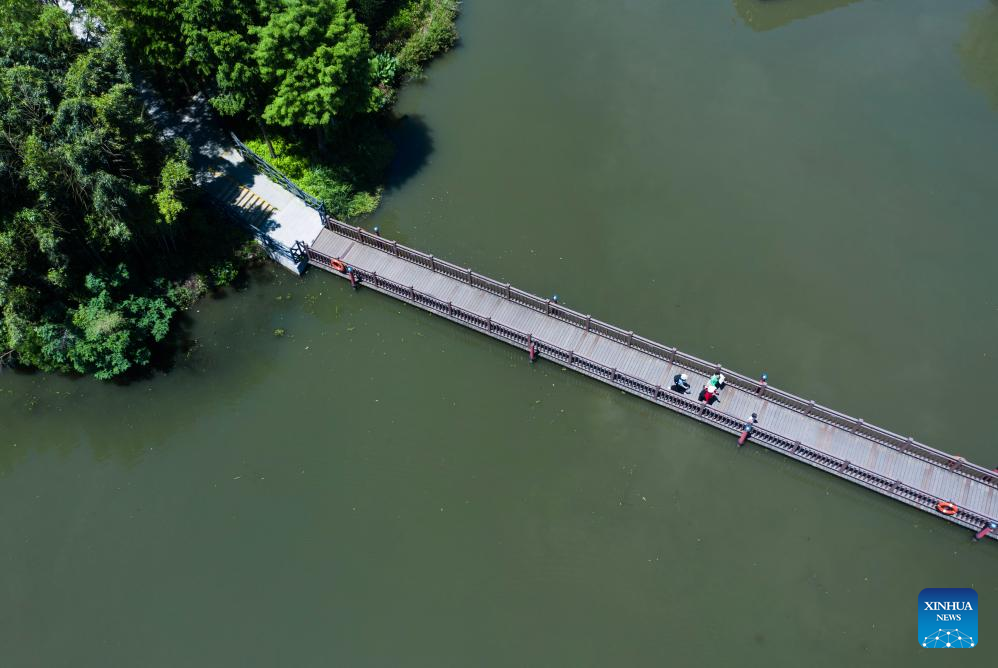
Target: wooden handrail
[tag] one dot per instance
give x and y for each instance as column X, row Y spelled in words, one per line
column 679, row 358
column 696, row 409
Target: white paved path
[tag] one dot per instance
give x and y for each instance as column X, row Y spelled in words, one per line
column 276, row 216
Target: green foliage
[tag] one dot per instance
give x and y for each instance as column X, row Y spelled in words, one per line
column 384, row 68
column 347, row 184
column 418, row 31
column 371, row 12
column 109, row 335
column 36, row 36
column 184, row 294
column 224, row 274
column 174, row 178
column 82, row 178
column 315, row 55
column 101, row 235
column 106, row 335
column 152, row 27
column 404, row 23
column 434, row 35
column 384, row 71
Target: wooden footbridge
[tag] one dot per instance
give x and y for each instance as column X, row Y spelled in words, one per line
column 893, row 465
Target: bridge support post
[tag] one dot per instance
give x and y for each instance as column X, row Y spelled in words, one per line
column 991, row 526
column 531, row 348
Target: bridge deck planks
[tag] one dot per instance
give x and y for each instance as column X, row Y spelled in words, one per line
column 837, row 442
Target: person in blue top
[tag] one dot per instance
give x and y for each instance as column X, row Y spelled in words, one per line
column 681, row 383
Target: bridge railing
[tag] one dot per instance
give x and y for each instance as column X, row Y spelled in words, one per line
column 669, row 354
column 278, row 176
column 699, row 410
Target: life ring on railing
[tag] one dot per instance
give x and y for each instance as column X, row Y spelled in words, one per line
column 337, row 265
column 947, row 508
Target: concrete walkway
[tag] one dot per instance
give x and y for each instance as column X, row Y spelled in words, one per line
column 276, row 217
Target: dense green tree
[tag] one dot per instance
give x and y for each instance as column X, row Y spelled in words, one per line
column 105, row 335
column 152, row 27
column 87, row 190
column 95, row 208
column 316, row 55
column 288, row 63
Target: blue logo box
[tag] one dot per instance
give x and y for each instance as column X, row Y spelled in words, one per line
column 947, row 618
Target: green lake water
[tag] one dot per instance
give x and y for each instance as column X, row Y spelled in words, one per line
column 803, row 187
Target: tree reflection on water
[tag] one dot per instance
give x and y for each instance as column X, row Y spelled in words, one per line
column 978, row 50
column 768, row 14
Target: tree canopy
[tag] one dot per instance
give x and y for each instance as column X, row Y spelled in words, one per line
column 85, row 185
column 290, row 63
column 317, row 59
column 100, row 241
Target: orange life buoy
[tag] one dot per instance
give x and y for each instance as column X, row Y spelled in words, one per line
column 947, row 508
column 337, row 265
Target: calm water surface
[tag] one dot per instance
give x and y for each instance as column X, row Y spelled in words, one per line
column 805, row 187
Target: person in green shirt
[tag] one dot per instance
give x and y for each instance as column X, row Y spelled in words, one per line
column 717, row 380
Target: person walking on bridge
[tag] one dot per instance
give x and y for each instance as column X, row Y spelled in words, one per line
column 680, row 383
column 747, row 428
column 717, row 380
